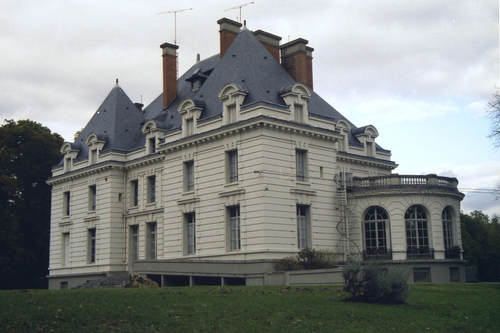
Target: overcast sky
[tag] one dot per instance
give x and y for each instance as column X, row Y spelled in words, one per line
column 422, row 72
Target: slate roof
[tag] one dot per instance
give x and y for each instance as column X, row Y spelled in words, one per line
column 117, row 119
column 246, row 63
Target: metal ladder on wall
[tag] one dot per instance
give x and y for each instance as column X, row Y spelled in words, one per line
column 347, row 218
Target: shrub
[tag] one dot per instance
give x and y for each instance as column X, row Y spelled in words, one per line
column 370, row 284
column 307, row 258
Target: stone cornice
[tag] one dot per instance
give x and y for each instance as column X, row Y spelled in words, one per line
column 358, row 159
column 93, row 169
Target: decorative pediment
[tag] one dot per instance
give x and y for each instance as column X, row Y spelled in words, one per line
column 343, row 126
column 98, row 140
column 368, row 131
column 234, row 92
column 70, row 148
column 296, row 96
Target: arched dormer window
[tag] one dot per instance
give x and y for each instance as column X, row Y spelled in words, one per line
column 344, row 128
column 153, row 131
column 190, row 110
column 95, row 143
column 70, row 152
column 296, row 96
column 367, row 135
column 232, row 96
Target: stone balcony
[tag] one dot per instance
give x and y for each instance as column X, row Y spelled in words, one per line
column 406, row 184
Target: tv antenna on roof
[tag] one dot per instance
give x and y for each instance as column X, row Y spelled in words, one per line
column 243, row 5
column 175, row 20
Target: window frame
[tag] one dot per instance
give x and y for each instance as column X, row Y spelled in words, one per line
column 303, row 217
column 67, row 203
column 190, row 233
column 92, row 198
column 232, row 174
column 301, row 165
column 234, row 227
column 65, row 249
column 91, row 246
column 134, row 192
column 417, row 228
column 152, row 145
column 152, row 240
column 447, row 219
column 189, row 176
column 378, row 239
column 151, row 198
column 134, row 242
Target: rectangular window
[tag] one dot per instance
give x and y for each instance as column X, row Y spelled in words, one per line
column 189, row 176
column 231, row 113
column 301, row 157
column 91, row 246
column 454, row 274
column 64, row 285
column 151, row 240
column 189, row 126
column 66, row 203
column 303, row 226
column 67, row 164
column 65, row 249
column 134, row 193
column 421, row 274
column 232, row 166
column 151, row 189
column 92, row 197
column 370, row 152
column 93, row 156
column 190, row 221
column 152, row 145
column 234, row 227
column 448, row 236
column 134, row 242
column 299, row 113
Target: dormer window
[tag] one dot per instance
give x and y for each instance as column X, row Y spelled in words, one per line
column 232, row 96
column 344, row 128
column 95, row 144
column 154, row 131
column 93, row 156
column 366, row 135
column 152, row 145
column 70, row 152
column 190, row 110
column 299, row 112
column 296, row 96
column 189, row 126
column 197, row 79
column 68, row 161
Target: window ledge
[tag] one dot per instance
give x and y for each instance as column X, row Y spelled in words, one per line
column 235, row 191
column 190, row 199
column 64, row 223
column 151, row 204
column 91, row 218
column 302, row 191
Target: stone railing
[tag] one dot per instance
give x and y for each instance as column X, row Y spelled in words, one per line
column 405, row 180
column 377, row 254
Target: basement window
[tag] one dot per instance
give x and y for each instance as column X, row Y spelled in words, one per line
column 421, row 274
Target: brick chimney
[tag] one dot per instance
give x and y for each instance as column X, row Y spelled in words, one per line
column 229, row 29
column 271, row 42
column 296, row 59
column 169, row 73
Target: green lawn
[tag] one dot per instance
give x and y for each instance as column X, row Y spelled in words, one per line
column 430, row 308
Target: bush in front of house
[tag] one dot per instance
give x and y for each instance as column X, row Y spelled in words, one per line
column 307, row 258
column 372, row 284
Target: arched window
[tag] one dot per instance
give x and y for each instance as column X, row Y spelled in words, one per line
column 417, row 233
column 376, row 221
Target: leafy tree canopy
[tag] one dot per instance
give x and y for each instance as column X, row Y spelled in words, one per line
column 494, row 114
column 28, row 150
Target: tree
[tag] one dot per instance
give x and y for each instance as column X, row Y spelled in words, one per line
column 494, row 114
column 481, row 243
column 28, row 150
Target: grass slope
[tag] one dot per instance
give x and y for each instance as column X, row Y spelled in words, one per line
column 431, row 308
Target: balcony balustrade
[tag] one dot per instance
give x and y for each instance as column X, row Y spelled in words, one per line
column 420, row 253
column 377, row 254
column 406, row 180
